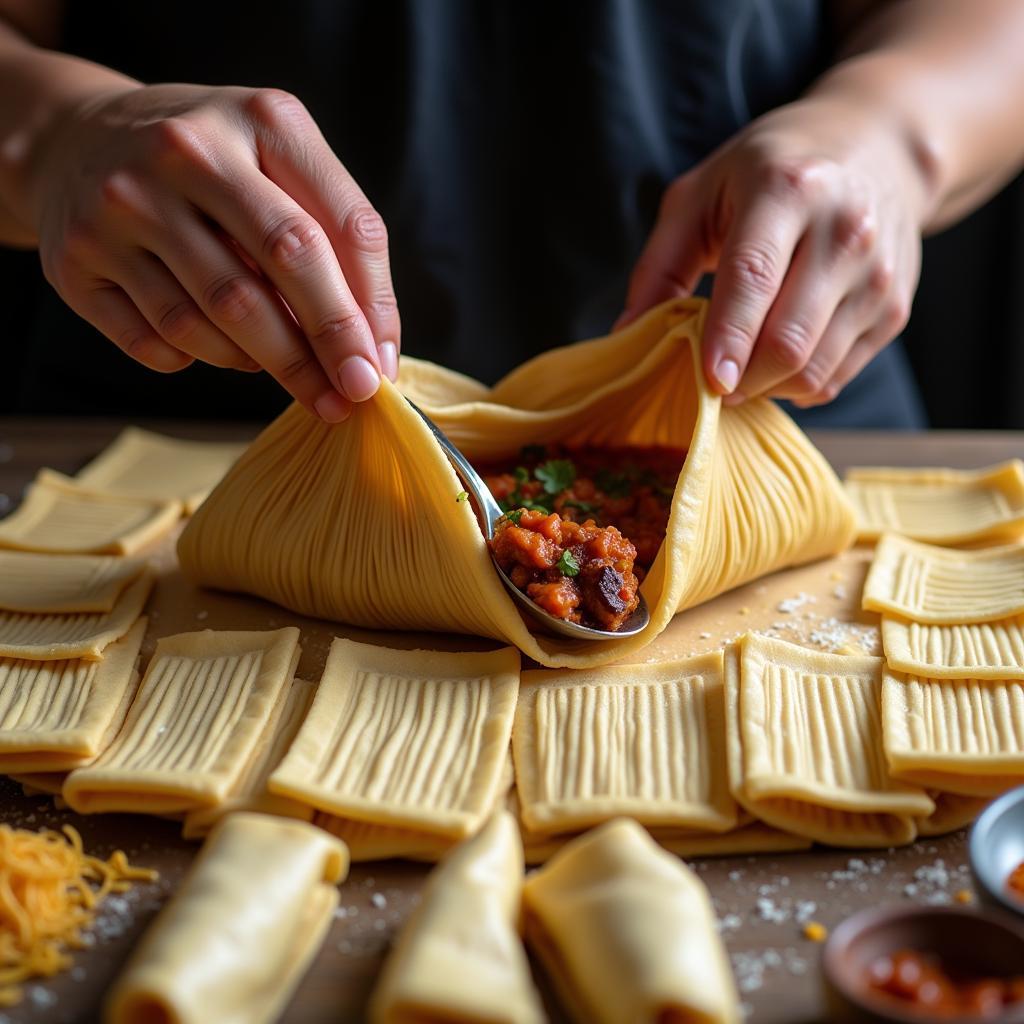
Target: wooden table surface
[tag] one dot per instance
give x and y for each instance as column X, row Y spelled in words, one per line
column 761, row 901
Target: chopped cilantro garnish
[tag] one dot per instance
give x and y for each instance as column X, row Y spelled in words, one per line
column 615, row 485
column 522, row 474
column 462, row 496
column 588, row 508
column 536, row 506
column 533, row 452
column 567, row 564
column 556, row 475
column 513, row 515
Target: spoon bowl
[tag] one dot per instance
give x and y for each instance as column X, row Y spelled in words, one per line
column 490, row 513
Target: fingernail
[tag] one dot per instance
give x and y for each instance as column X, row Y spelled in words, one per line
column 332, row 408
column 388, row 352
column 358, row 379
column 727, row 373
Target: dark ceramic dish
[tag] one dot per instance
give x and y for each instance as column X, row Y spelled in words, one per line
column 997, row 847
column 984, row 943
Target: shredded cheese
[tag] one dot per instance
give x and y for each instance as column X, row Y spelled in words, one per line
column 50, row 889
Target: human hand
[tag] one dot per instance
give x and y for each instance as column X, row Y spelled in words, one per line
column 188, row 222
column 811, row 219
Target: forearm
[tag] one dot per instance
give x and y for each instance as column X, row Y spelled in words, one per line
column 37, row 88
column 946, row 79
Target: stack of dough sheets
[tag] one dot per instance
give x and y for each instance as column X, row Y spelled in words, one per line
column 805, row 746
column 943, row 506
column 411, row 742
column 953, row 637
column 241, row 930
column 201, row 710
column 647, row 741
column 627, row 932
column 459, row 956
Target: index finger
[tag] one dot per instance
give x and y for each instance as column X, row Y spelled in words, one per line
column 755, row 256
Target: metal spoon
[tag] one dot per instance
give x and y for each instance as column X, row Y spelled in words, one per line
column 490, row 513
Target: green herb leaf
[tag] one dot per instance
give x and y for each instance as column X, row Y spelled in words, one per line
column 533, row 452
column 556, row 475
column 567, row 564
column 513, row 515
column 534, row 506
column 586, row 507
column 522, row 475
column 462, row 496
column 615, row 485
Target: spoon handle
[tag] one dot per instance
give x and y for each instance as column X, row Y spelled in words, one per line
column 467, row 474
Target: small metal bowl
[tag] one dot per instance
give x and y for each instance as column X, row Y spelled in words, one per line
column 997, row 847
column 987, row 943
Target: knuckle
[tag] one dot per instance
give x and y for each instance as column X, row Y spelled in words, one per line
column 295, row 368
column 80, row 242
column 790, row 345
column 896, row 315
column 232, row 299
column 339, row 328
column 276, row 107
column 178, row 138
column 791, row 177
column 881, row 277
column 118, row 190
column 295, row 243
column 854, row 230
column 178, row 321
column 364, row 228
column 382, row 307
column 753, row 266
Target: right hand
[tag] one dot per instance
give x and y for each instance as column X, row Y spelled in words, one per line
column 189, row 222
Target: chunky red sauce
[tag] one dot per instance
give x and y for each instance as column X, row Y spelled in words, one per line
column 583, row 525
column 922, row 983
column 1015, row 881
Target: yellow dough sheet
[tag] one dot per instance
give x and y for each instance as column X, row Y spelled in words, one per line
column 805, row 745
column 952, row 811
column 201, row 707
column 459, row 956
column 414, row 739
column 646, row 741
column 60, row 517
column 358, row 523
column 41, row 784
column 240, row 931
column 960, row 735
column 940, row 586
column 627, row 932
column 250, row 791
column 57, row 584
column 979, row 650
column 943, row 506
column 141, row 464
column 77, row 635
column 58, row 715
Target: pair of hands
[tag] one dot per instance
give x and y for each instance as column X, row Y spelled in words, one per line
column 187, row 222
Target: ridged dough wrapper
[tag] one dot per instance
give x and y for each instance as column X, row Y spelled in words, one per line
column 459, row 956
column 414, row 739
column 84, row 635
column 804, row 742
column 201, row 707
column 250, row 791
column 58, row 584
column 141, row 464
column 627, row 932
column 59, row 715
column 59, row 516
column 239, row 933
column 941, row 586
column 975, row 650
column 963, row 736
column 359, row 523
column 941, row 506
column 647, row 741
column 952, row 812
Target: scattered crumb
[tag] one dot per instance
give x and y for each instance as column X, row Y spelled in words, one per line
column 705, row 635
column 815, row 931
column 379, row 900
column 963, row 896
column 202, row 615
column 745, row 610
column 839, row 592
column 791, row 604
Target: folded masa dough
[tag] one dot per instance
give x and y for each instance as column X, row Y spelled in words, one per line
column 940, row 586
column 962, row 736
column 942, row 506
column 805, row 745
column 201, row 707
column 973, row 650
column 141, row 464
column 58, row 515
column 359, row 523
column 62, row 636
column 627, row 932
column 237, row 936
column 59, row 715
column 413, row 739
column 57, row 584
column 646, row 741
column 459, row 956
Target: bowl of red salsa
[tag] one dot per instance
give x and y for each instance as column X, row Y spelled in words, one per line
column 914, row 965
column 997, row 852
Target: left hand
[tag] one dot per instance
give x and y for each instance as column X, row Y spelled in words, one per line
column 811, row 218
